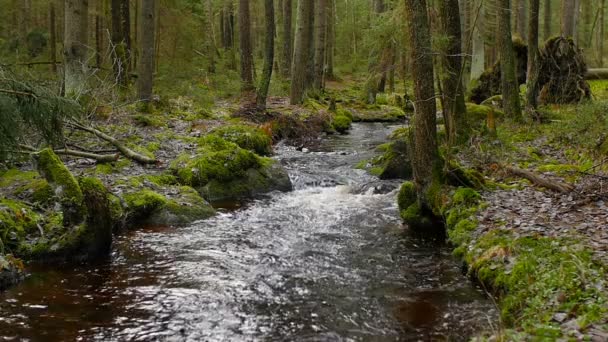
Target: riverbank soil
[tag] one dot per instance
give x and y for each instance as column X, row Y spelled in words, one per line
column 536, row 235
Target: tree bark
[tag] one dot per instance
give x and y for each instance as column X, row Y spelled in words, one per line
column 320, row 43
column 601, row 34
column 521, row 19
column 547, row 19
column 268, row 57
column 478, row 43
column 331, row 39
column 245, row 41
column 533, row 53
column 455, row 110
column 425, row 156
column 121, row 40
column 53, row 36
column 145, row 77
column 302, row 47
column 287, row 41
column 510, row 87
column 569, row 15
column 75, row 46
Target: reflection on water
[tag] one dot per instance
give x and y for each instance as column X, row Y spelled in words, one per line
column 327, row 262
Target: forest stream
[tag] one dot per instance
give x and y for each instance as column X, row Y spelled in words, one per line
column 329, row 261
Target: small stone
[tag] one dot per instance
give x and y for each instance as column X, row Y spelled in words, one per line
column 560, row 317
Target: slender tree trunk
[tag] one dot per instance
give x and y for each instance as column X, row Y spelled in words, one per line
column 455, row 109
column 547, row 19
column 287, row 41
column 301, row 54
column 125, row 20
column 331, row 39
column 310, row 68
column 269, row 55
column 510, row 86
column 478, row 43
column 145, row 77
column 532, row 81
column 601, row 34
column 521, row 19
column 569, row 14
column 246, row 50
column 320, row 41
column 425, row 156
column 211, row 42
column 75, row 45
column 53, row 36
column 120, row 39
column 25, row 21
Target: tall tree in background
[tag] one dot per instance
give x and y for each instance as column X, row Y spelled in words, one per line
column 478, row 42
column 75, row 45
column 510, row 87
column 320, row 43
column 601, row 34
column 425, row 156
column 331, row 39
column 302, row 49
column 451, row 77
column 245, row 41
column 53, row 35
column 569, row 18
column 145, row 73
column 533, row 53
column 286, row 38
column 121, row 39
column 268, row 55
column 521, row 18
column 547, row 19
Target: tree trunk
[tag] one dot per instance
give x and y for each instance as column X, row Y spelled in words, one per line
column 120, row 40
column 125, row 19
column 245, row 41
column 510, row 87
column 454, row 110
column 547, row 19
column 268, row 57
column 75, row 42
column 53, row 36
column 521, row 19
column 320, row 41
column 569, row 14
column 331, row 39
column 533, row 53
column 478, row 43
column 145, row 73
column 301, row 54
column 310, row 68
column 287, row 41
column 601, row 35
column 25, row 22
column 425, row 156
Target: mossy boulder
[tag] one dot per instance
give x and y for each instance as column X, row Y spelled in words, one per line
column 245, row 136
column 181, row 209
column 271, row 176
column 221, row 170
column 17, row 221
column 477, row 114
column 341, row 123
column 394, row 163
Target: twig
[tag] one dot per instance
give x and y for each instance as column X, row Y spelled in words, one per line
column 535, row 179
column 100, row 158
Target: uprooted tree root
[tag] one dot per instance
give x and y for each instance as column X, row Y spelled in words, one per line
column 562, row 72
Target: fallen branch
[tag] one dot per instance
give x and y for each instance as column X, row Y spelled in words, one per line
column 15, row 92
column 539, row 181
column 100, row 158
column 127, row 152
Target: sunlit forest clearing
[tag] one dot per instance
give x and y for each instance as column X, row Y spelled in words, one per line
column 362, row 170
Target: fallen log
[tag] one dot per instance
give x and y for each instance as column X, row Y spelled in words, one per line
column 597, row 74
column 540, row 181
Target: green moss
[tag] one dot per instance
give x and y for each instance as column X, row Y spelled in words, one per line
column 104, row 169
column 344, row 112
column 407, row 195
column 341, row 123
column 149, row 120
column 13, row 176
column 477, row 114
column 16, row 221
column 116, row 210
column 247, row 137
column 466, row 196
column 144, row 202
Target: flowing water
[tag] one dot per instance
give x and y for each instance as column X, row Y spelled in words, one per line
column 329, row 261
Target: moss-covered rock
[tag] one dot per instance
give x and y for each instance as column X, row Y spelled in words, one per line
column 17, row 220
column 183, row 208
column 64, row 185
column 407, row 195
column 11, row 271
column 245, row 136
column 395, row 161
column 341, row 123
column 477, row 114
column 271, row 176
column 143, row 203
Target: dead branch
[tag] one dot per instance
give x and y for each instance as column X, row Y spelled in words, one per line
column 127, row 152
column 100, row 158
column 15, row 92
column 540, row 181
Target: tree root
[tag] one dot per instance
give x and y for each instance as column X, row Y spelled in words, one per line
column 539, row 181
